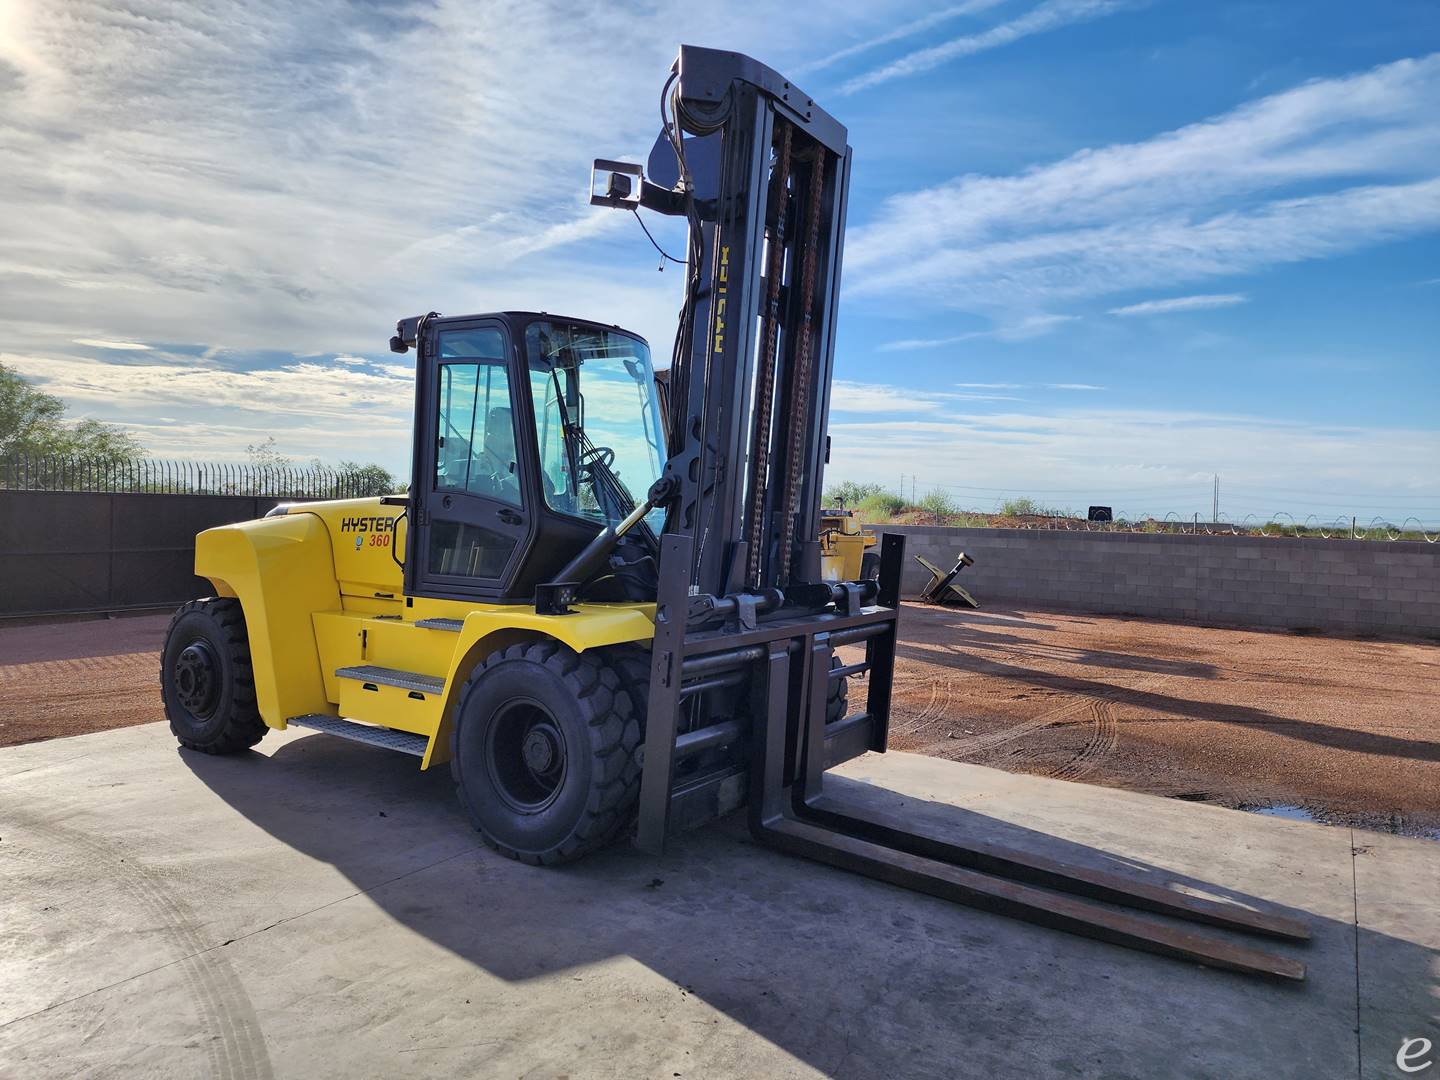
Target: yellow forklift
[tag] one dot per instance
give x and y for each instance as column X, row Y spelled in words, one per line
column 610, row 616
column 845, row 547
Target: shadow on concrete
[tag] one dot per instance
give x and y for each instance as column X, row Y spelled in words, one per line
column 853, row 977
column 1173, row 706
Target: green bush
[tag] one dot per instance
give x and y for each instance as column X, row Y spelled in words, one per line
column 851, row 494
column 938, row 502
column 1023, row 507
column 1028, row 507
column 880, row 506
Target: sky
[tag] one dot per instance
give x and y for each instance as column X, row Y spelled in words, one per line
column 1099, row 251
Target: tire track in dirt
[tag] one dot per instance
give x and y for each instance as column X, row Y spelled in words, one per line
column 977, row 744
column 1102, row 740
column 941, row 695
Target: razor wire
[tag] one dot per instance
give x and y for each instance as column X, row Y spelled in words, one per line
column 1281, row 523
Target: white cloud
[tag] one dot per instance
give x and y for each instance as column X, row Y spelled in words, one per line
column 907, row 29
column 1324, row 168
column 1031, row 326
column 120, row 346
column 297, row 177
column 1181, row 303
column 1072, row 386
column 292, row 179
column 351, row 361
column 300, row 388
column 1047, row 16
column 855, row 397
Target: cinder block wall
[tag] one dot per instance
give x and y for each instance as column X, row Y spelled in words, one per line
column 1357, row 586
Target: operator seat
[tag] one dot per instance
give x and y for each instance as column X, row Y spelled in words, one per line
column 499, row 455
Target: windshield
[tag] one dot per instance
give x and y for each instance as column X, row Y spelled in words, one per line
column 597, row 420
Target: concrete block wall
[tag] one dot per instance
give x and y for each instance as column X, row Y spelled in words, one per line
column 1352, row 586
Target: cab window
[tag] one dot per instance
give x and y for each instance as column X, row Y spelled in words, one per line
column 475, row 452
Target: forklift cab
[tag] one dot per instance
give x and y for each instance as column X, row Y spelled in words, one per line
column 532, row 434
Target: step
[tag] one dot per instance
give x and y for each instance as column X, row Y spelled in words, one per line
column 452, row 625
column 403, row 741
column 384, row 676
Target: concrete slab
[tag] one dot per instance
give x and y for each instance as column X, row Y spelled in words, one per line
column 320, row 909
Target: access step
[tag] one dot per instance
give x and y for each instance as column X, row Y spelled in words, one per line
column 454, row 626
column 384, row 676
column 403, row 741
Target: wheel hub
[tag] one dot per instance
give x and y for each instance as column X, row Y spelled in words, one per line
column 197, row 679
column 540, row 750
column 526, row 756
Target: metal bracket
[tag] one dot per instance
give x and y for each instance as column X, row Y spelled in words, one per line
column 555, row 598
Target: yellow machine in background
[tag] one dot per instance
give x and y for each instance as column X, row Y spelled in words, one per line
column 845, row 553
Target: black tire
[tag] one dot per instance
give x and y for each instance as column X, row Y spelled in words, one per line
column 543, row 750
column 206, row 679
column 869, row 566
column 837, row 695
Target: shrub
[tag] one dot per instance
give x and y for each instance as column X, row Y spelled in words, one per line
column 880, row 506
column 938, row 502
column 1022, row 507
column 851, row 494
column 1028, row 507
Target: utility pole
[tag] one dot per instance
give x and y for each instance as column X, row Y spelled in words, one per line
column 1215, row 500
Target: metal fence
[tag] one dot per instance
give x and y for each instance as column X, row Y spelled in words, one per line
column 90, row 535
column 165, row 477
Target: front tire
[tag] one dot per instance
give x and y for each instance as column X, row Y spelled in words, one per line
column 543, row 750
column 206, row 680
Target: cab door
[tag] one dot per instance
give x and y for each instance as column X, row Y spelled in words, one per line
column 474, row 524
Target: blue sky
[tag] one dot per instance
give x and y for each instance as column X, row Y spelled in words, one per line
column 1099, row 250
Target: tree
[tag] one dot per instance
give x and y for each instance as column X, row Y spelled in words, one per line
column 353, row 478
column 370, row 479
column 265, row 456
column 32, row 424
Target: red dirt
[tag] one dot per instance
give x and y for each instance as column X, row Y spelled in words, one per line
column 1237, row 717
column 69, row 678
column 1349, row 729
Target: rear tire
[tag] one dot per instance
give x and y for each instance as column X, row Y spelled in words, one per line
column 543, row 750
column 837, row 695
column 206, row 679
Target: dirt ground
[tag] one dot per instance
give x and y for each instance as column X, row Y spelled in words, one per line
column 1331, row 728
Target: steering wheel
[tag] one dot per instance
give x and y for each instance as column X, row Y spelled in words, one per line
column 604, row 456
